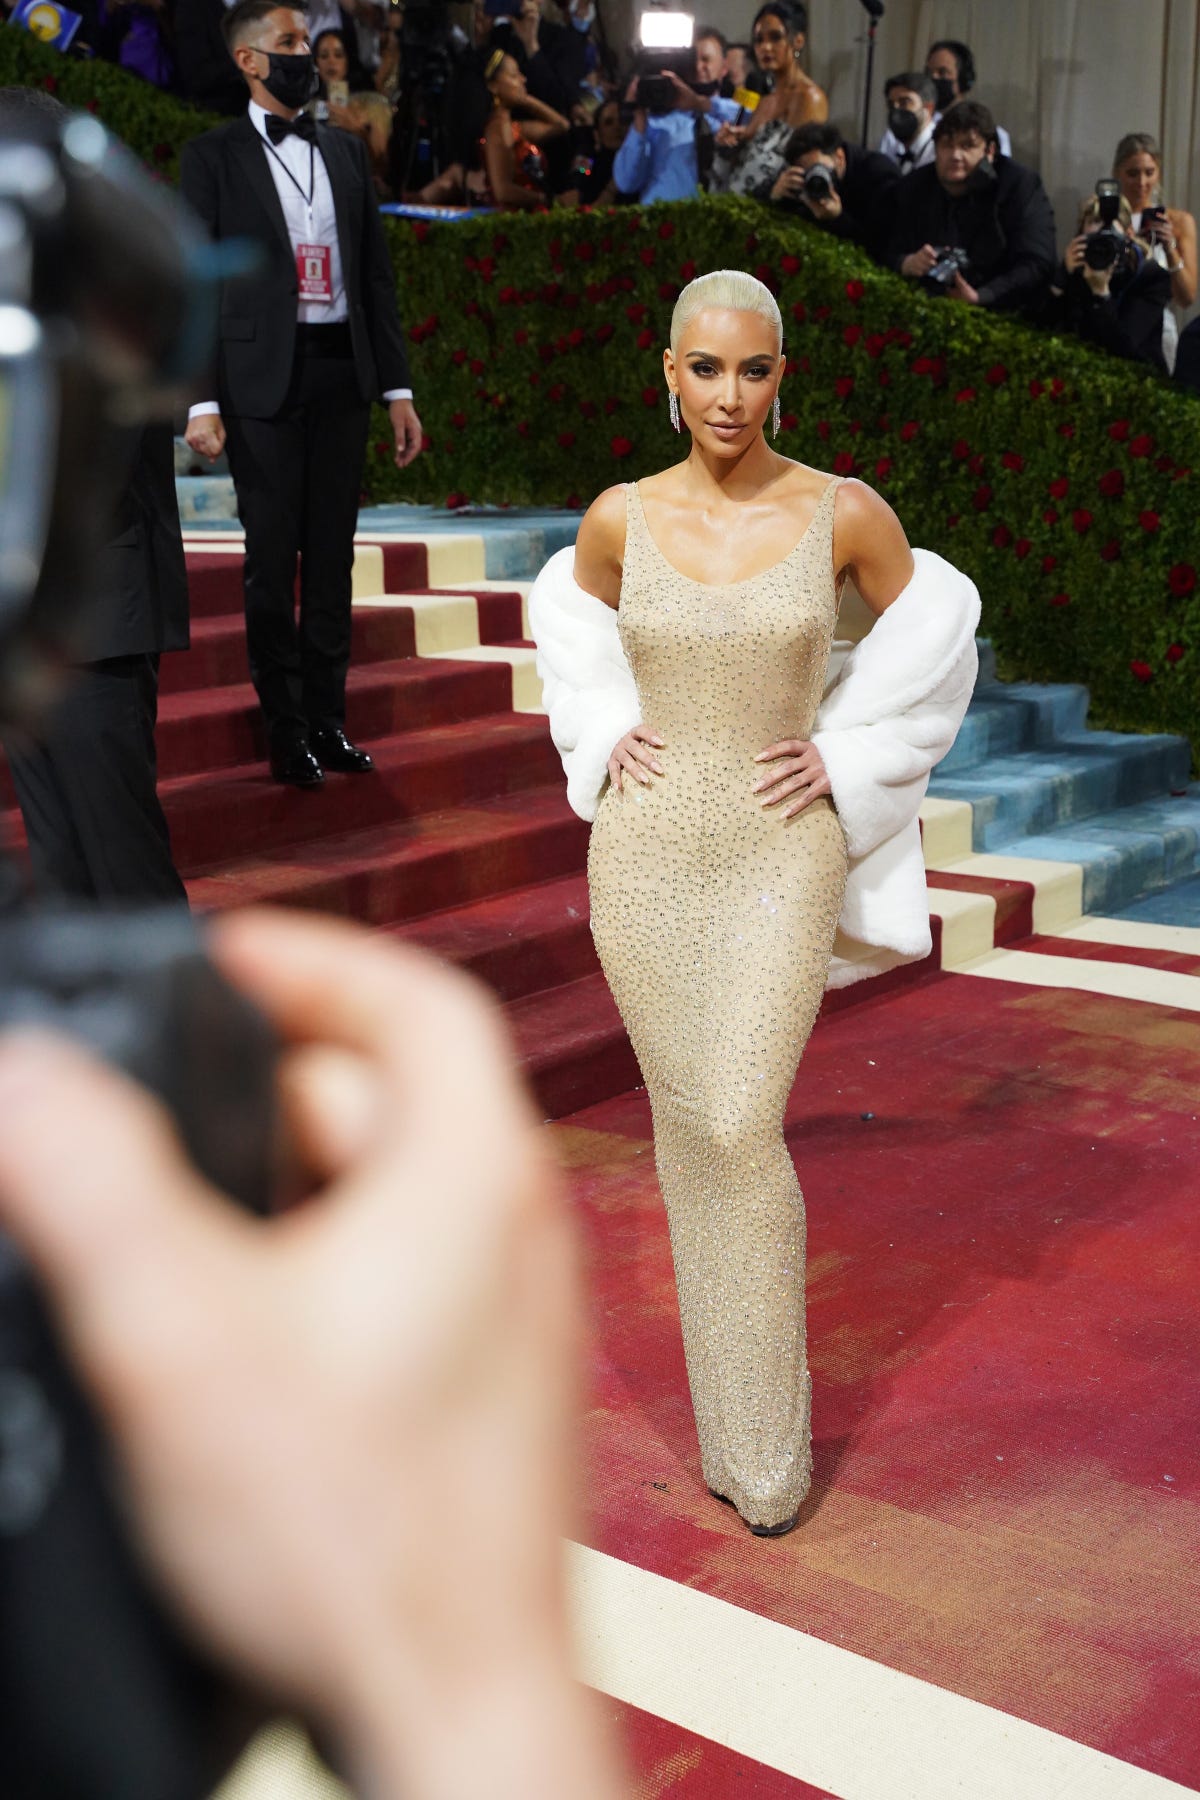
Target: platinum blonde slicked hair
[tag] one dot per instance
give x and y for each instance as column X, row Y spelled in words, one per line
column 731, row 289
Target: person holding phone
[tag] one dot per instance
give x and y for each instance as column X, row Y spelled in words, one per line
column 1170, row 231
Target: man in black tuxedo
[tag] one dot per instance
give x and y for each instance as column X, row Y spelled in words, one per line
column 304, row 347
column 86, row 783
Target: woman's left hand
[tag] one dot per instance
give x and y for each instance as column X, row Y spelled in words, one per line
column 798, row 769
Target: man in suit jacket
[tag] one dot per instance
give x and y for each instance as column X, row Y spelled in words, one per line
column 991, row 210
column 304, row 347
column 86, row 783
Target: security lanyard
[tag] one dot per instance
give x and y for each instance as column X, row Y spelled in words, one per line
column 312, row 173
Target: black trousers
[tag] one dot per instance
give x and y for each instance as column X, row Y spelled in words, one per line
column 87, row 789
column 298, row 478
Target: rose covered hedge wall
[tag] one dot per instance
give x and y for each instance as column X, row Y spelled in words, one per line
column 1064, row 481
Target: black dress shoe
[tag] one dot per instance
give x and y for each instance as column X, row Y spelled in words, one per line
column 295, row 764
column 335, row 751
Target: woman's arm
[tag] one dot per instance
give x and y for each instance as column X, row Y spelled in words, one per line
column 501, row 165
column 600, row 547
column 869, row 545
column 1184, row 274
column 540, row 122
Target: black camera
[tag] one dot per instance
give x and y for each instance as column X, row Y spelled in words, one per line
column 820, row 182
column 110, row 295
column 951, row 260
column 655, row 94
column 1108, row 247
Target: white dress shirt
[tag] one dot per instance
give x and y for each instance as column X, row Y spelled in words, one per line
column 306, row 196
column 908, row 156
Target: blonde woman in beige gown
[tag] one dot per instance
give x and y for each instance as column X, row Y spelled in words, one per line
column 717, row 863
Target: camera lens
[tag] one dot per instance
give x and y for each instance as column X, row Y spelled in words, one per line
column 818, row 182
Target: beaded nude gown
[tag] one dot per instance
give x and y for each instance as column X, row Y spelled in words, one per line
column 714, row 919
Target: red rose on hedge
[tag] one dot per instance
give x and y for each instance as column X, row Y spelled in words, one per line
column 981, row 499
column 960, row 449
column 645, row 339
column 649, row 396
column 576, row 336
column 585, row 250
column 1048, row 563
column 1066, row 431
column 666, row 229
column 855, row 291
column 1050, row 516
column 876, row 343
column 620, row 446
column 611, row 404
column 908, row 431
column 566, row 440
column 1060, row 599
column 455, row 500
column 1021, row 548
column 459, row 421
column 799, row 312
column 843, row 463
column 823, row 429
column 1081, row 520
column 687, row 270
column 1001, row 537
column 1174, row 652
column 588, row 408
column 788, row 422
column 789, row 264
column 1036, row 389
column 1149, row 521
column 851, row 335
column 964, row 396
column 603, row 332
column 1141, row 671
column 556, row 393
column 647, row 255
column 1059, row 488
column 636, row 312
column 1119, row 430
column 1012, row 459
column 997, row 375
column 1112, row 484
column 843, row 387
column 883, row 468
column 1181, row 579
column 1141, row 445
column 1110, row 552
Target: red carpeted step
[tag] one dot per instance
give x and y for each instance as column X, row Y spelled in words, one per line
column 215, row 817
column 1014, row 899
column 572, row 1044
column 403, row 869
column 218, row 654
column 215, row 576
column 500, row 617
column 219, row 728
column 518, row 942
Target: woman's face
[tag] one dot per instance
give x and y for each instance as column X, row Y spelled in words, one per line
column 332, row 62
column 726, row 371
column 608, row 126
column 1139, row 176
column 773, row 49
column 508, row 83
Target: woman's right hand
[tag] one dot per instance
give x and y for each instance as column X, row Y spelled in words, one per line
column 633, row 756
column 727, row 137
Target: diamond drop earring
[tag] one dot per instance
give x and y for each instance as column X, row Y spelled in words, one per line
column 673, row 408
column 775, row 417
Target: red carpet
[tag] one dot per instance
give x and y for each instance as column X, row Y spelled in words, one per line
column 1005, row 1353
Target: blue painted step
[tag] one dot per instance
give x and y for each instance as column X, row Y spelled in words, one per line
column 1177, row 905
column 1129, row 852
column 1005, row 717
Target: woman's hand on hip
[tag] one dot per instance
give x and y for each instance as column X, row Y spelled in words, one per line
column 634, row 755
column 797, row 769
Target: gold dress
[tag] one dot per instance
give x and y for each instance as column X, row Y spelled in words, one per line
column 714, row 919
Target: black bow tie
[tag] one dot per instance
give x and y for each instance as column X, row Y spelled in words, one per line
column 302, row 126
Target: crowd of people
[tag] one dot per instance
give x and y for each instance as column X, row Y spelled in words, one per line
column 527, row 111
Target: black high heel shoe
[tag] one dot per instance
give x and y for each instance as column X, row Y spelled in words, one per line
column 780, row 1530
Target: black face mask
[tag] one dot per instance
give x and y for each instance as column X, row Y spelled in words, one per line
column 903, row 124
column 705, row 88
column 292, row 80
column 945, row 92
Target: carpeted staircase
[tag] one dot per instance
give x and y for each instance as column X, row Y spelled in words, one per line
column 463, row 840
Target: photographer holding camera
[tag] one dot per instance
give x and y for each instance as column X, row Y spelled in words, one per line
column 1109, row 289
column 974, row 224
column 659, row 159
column 841, row 187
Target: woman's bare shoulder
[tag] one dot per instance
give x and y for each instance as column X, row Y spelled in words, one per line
column 600, row 546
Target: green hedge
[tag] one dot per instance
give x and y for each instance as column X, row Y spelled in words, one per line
column 154, row 125
column 1063, row 480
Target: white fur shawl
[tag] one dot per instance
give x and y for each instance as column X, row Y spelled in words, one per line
column 891, row 711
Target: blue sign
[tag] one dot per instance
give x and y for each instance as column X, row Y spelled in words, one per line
column 46, row 19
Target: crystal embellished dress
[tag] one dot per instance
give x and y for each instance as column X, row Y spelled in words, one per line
column 714, row 919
